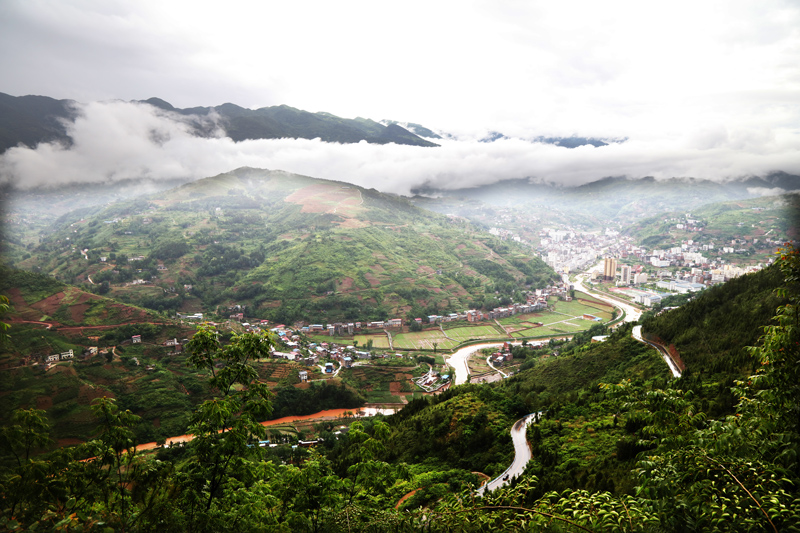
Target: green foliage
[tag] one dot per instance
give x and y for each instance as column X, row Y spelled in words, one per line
column 35, row 286
column 318, row 397
column 711, row 332
column 642, row 455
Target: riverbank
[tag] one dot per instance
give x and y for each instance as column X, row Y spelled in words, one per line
column 321, row 416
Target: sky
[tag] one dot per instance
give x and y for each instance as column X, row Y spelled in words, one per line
column 699, row 89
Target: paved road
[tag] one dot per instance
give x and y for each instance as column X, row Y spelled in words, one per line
column 489, row 362
column 632, row 314
column 522, row 454
column 637, row 334
column 459, row 360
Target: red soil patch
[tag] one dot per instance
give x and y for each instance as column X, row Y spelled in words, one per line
column 44, row 402
column 49, row 305
column 346, row 284
column 16, row 299
column 484, row 478
column 63, row 369
column 352, row 223
column 404, row 498
column 76, row 312
column 87, row 393
column 373, row 281
column 323, row 197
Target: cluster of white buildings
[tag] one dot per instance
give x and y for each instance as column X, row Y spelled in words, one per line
column 63, row 356
column 570, row 251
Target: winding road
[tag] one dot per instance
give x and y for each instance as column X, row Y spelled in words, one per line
column 522, row 454
column 637, row 334
column 632, row 314
column 459, row 360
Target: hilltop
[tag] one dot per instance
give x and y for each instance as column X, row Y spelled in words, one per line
column 287, row 247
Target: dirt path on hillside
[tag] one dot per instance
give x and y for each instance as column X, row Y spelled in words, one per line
column 62, row 328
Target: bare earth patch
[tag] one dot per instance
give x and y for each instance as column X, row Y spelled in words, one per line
column 49, row 305
column 323, row 198
column 44, row 402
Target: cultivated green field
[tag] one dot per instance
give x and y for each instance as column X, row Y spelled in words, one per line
column 566, row 319
column 423, row 340
column 379, row 341
column 474, row 332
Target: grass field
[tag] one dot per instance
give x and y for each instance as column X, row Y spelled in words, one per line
column 566, row 319
column 380, row 341
column 474, row 332
column 558, row 328
column 423, row 340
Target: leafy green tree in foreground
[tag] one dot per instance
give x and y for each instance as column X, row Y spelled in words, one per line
column 736, row 473
column 226, row 429
column 739, row 472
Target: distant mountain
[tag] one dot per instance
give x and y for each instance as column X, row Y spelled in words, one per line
column 282, row 121
column 416, row 129
column 608, row 200
column 751, row 219
column 30, row 120
column 566, row 142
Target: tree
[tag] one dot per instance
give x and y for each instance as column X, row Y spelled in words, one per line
column 225, row 427
column 5, row 307
column 739, row 472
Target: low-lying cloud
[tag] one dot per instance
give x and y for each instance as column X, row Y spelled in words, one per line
column 121, row 140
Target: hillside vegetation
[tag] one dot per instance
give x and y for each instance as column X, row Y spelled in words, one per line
column 640, row 453
column 287, row 247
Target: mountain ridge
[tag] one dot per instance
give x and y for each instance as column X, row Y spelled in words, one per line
column 30, row 120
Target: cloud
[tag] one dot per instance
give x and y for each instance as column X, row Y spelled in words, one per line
column 122, row 140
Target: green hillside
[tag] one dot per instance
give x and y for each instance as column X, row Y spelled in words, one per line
column 749, row 221
column 523, row 204
column 621, row 445
column 287, row 247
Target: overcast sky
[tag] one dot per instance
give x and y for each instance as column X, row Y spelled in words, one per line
column 703, row 89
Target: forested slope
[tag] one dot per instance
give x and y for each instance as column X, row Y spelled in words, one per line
column 642, row 454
